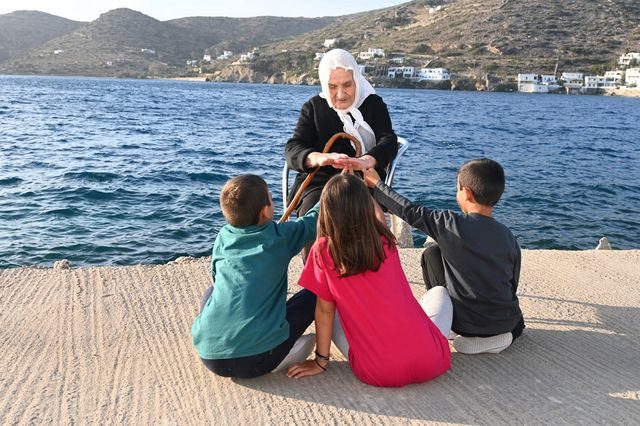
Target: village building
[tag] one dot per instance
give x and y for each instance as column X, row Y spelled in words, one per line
column 371, row 53
column 616, row 76
column 149, row 51
column 631, row 58
column 591, row 82
column 206, row 57
column 319, row 56
column 247, row 57
column 531, row 83
column 632, row 78
column 572, row 77
column 404, row 72
column 433, row 74
column 331, row 42
column 225, row 55
column 599, row 82
column 548, row 79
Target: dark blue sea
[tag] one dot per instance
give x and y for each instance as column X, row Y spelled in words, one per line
column 104, row 171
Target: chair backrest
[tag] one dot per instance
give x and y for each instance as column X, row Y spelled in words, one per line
column 403, row 144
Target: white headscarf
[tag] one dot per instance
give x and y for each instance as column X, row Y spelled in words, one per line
column 338, row 58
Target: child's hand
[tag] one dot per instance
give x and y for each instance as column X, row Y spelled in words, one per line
column 371, row 177
column 303, row 369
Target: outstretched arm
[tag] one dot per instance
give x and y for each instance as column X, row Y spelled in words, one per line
column 415, row 215
column 325, row 311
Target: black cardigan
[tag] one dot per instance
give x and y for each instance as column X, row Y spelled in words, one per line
column 318, row 123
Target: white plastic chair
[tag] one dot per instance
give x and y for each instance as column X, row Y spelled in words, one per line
column 391, row 171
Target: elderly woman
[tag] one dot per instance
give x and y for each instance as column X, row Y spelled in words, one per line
column 348, row 103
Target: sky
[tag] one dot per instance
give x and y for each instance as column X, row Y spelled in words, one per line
column 83, row 10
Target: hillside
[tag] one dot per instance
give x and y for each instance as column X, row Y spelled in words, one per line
column 113, row 44
column 239, row 34
column 476, row 39
column 21, row 31
column 479, row 37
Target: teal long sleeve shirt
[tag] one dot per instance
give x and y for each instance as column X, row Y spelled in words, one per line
column 245, row 314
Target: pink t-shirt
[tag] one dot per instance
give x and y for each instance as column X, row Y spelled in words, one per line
column 392, row 340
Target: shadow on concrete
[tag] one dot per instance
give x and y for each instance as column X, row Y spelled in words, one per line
column 560, row 370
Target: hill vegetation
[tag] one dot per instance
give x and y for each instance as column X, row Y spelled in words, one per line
column 24, row 30
column 478, row 40
column 124, row 42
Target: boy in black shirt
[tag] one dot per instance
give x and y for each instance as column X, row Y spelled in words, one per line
column 476, row 257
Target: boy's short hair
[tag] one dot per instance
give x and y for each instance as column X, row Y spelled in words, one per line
column 242, row 198
column 485, row 179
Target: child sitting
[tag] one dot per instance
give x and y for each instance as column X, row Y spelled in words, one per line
column 354, row 267
column 476, row 257
column 245, row 328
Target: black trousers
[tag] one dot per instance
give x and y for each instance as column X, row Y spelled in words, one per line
column 433, row 275
column 300, row 313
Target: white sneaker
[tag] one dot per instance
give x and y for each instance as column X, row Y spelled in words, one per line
column 299, row 352
column 478, row 345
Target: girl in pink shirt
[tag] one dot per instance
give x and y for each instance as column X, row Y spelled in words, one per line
column 354, row 266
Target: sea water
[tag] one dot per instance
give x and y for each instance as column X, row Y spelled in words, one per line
column 107, row 171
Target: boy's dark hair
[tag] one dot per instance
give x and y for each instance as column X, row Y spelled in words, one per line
column 242, row 198
column 485, row 179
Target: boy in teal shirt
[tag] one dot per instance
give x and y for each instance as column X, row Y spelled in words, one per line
column 246, row 326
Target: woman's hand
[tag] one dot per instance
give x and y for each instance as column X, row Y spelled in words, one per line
column 306, row 368
column 315, row 159
column 363, row 163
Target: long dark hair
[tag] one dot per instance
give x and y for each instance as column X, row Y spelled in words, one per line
column 348, row 220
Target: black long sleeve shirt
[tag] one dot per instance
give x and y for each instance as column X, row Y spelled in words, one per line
column 318, row 123
column 481, row 263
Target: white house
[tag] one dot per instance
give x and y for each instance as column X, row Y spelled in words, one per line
column 548, row 79
column 528, row 78
column 531, row 83
column 615, row 76
column 192, row 62
column 626, row 59
column 572, row 77
column 365, row 55
column 598, row 82
column 58, row 51
column 225, row 55
column 149, row 51
column 397, row 60
column 632, row 77
column 319, row 56
column 247, row 57
column 206, row 57
column 376, row 52
column 433, row 74
column 590, row 81
column 330, row 42
column 404, row 72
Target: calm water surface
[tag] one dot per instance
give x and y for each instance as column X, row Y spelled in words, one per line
column 102, row 171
